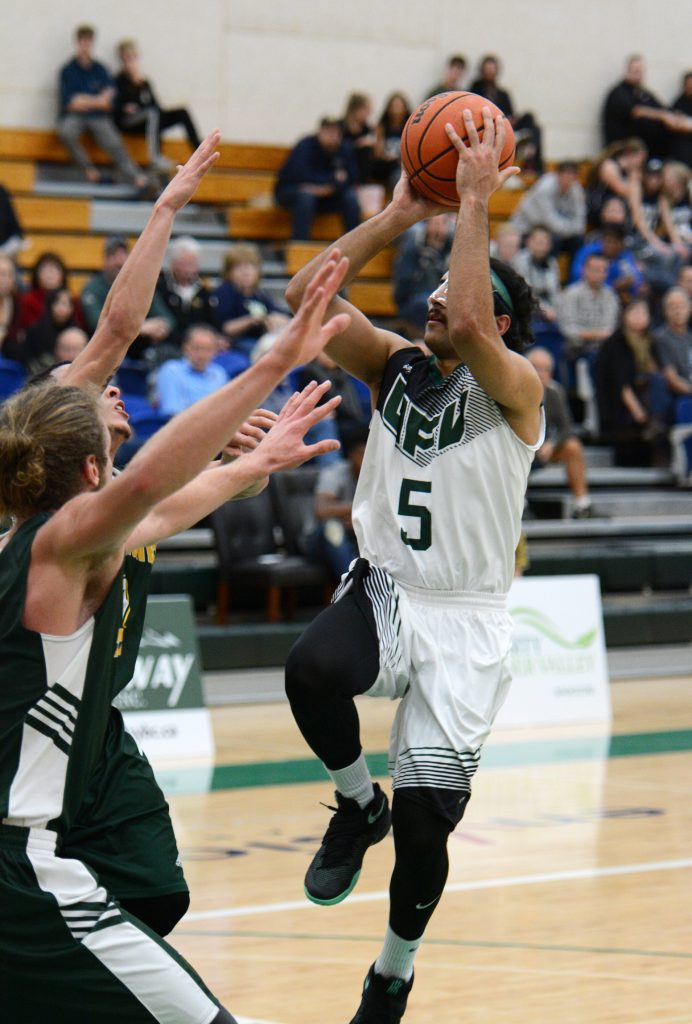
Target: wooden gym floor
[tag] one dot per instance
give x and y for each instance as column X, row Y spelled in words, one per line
column 568, row 897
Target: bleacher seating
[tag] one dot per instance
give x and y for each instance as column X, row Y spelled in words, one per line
column 66, row 215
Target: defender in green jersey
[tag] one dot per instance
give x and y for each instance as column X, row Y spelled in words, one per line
column 68, row 952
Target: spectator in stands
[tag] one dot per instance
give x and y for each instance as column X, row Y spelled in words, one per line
column 386, row 163
column 182, row 382
column 11, row 240
column 47, row 274
column 351, row 413
column 631, row 110
column 453, row 77
column 506, row 243
column 683, row 103
column 68, row 344
column 540, row 269
column 634, row 401
column 587, row 314
column 674, row 341
column 332, row 542
column 319, row 176
column 9, row 310
column 685, row 282
column 527, row 132
column 159, row 323
column 137, row 110
column 561, row 443
column 613, row 211
column 624, row 275
column 86, row 103
column 356, row 129
column 676, row 208
column 556, row 202
column 613, row 174
column 188, row 299
column 37, row 350
column 657, row 258
column 422, row 259
column 588, row 310
column 244, row 311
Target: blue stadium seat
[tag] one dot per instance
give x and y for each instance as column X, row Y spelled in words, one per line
column 145, row 424
column 133, row 377
column 12, row 376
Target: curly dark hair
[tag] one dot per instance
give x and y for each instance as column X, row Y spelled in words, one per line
column 519, row 334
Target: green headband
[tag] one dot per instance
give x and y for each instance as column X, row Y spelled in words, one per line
column 500, row 287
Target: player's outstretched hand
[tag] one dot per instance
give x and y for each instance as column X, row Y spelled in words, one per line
column 283, row 447
column 306, row 335
column 250, row 434
column 181, row 188
column 408, row 201
column 477, row 171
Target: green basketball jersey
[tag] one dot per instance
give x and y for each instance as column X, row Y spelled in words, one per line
column 55, row 694
column 136, row 575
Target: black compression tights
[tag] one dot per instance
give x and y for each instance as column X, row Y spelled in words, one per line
column 420, row 867
column 336, row 658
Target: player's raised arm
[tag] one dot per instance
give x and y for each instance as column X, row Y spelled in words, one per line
column 283, row 447
column 98, row 523
column 130, row 297
column 475, row 329
column 362, row 348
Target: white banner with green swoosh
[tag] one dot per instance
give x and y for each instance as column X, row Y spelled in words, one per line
column 559, row 666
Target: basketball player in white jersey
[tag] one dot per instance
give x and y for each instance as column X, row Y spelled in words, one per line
column 422, row 614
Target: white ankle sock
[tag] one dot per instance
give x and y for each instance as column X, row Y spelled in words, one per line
column 354, row 781
column 397, row 956
column 584, row 501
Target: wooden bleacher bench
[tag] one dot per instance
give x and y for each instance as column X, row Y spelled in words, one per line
column 299, row 253
column 45, row 213
column 374, row 298
column 44, row 145
column 83, row 252
column 17, row 175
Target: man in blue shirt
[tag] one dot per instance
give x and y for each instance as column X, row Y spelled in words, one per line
column 86, row 99
column 624, row 273
column 319, row 176
column 182, row 382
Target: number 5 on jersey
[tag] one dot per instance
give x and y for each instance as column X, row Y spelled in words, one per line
column 420, row 512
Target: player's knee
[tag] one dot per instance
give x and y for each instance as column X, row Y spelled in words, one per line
column 309, row 670
column 160, row 913
column 419, row 831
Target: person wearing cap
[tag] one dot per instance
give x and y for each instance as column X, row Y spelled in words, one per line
column 319, row 176
column 159, row 322
column 657, row 258
column 86, row 101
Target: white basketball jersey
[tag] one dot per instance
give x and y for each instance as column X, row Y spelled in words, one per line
column 441, row 491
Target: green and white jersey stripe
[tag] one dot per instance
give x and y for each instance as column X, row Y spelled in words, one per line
column 55, row 695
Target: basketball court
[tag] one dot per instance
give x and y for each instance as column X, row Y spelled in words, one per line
column 569, row 881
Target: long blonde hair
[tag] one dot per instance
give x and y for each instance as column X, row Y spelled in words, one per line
column 46, row 434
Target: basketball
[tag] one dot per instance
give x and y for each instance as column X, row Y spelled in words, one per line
column 427, row 154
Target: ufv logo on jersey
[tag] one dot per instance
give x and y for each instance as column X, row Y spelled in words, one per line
column 421, row 436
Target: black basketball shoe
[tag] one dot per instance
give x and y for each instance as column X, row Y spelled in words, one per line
column 335, row 868
column 383, row 1000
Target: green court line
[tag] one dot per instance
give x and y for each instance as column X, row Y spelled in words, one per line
column 455, row 943
column 505, row 755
